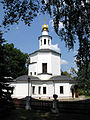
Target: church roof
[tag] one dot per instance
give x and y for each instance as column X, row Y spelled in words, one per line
column 44, row 36
column 46, row 50
column 24, row 79
column 62, row 77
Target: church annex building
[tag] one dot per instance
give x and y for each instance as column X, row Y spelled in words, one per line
column 44, row 77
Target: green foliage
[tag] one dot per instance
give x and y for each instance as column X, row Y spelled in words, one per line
column 12, row 64
column 84, row 92
column 73, row 73
column 66, row 73
column 15, row 61
column 5, row 88
column 16, row 10
column 83, row 79
column 73, row 14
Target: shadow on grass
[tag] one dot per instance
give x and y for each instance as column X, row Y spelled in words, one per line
column 22, row 114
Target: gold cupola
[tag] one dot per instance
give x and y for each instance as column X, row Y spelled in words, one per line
column 45, row 27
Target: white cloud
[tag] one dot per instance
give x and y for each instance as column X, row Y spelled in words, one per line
column 64, row 61
column 55, row 47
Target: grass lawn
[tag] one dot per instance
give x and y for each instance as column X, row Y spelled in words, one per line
column 22, row 114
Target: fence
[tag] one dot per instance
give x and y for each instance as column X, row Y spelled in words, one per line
column 80, row 107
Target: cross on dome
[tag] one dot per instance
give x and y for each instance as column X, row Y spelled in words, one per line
column 45, row 27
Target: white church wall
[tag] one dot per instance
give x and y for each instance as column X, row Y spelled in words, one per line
column 32, row 69
column 55, row 64
column 47, row 45
column 44, row 76
column 33, row 58
column 44, row 58
column 52, row 88
column 49, row 90
column 66, row 90
column 20, row 90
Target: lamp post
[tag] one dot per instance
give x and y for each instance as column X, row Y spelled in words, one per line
column 28, row 107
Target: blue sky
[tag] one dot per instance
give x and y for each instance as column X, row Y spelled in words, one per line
column 25, row 38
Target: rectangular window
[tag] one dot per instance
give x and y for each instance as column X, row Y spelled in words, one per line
column 44, row 67
column 33, row 89
column 61, row 89
column 44, row 41
column 39, row 90
column 30, row 73
column 44, row 90
column 34, row 73
column 48, row 42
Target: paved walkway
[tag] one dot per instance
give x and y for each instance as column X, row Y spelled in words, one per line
column 67, row 99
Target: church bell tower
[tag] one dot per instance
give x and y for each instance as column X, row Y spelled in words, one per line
column 45, row 39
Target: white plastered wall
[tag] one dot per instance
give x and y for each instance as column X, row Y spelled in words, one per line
column 20, row 90
column 55, row 64
column 66, row 90
column 33, row 69
column 49, row 90
column 50, row 86
column 44, row 58
column 45, row 46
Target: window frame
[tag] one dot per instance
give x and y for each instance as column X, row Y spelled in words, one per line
column 34, row 73
column 48, row 42
column 33, row 90
column 39, row 90
column 44, row 67
column 44, row 90
column 44, row 41
column 61, row 89
column 30, row 73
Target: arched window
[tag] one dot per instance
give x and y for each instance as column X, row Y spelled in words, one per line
column 44, row 41
column 48, row 42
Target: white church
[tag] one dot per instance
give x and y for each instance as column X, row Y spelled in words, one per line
column 44, row 77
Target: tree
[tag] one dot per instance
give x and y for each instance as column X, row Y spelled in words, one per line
column 73, row 14
column 83, row 63
column 73, row 73
column 15, row 61
column 25, row 10
column 66, row 73
column 5, row 88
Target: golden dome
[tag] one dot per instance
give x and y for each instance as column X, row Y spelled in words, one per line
column 45, row 27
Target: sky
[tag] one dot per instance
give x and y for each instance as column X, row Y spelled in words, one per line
column 25, row 38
